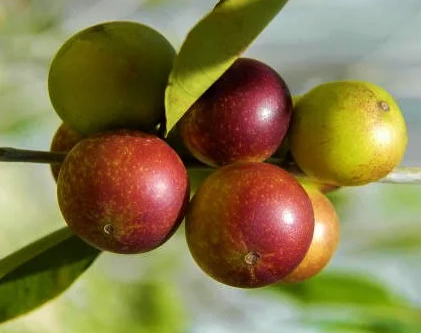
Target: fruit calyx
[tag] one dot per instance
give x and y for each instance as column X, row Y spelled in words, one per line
column 384, row 106
column 252, row 258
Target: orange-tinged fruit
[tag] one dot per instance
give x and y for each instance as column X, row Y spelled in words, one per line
column 325, row 238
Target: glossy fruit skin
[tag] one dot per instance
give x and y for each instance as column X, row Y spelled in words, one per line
column 242, row 117
column 347, row 133
column 249, row 224
column 123, row 191
column 63, row 141
column 325, row 237
column 111, row 75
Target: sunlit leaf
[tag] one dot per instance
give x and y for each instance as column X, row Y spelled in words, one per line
column 211, row 47
column 41, row 271
column 346, row 288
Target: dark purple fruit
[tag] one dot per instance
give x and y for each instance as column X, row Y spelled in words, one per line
column 242, row 117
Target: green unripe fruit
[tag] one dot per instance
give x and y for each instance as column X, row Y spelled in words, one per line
column 295, row 99
column 111, row 75
column 347, row 133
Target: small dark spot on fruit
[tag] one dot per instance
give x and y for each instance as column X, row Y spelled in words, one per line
column 108, row 229
column 251, row 258
column 383, row 105
column 97, row 28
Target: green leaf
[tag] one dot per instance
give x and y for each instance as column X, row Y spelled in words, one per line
column 41, row 271
column 366, row 319
column 340, row 288
column 197, row 176
column 197, row 171
column 211, row 47
column 370, row 324
column 351, row 302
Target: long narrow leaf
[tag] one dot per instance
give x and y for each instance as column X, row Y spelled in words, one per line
column 41, row 271
column 211, row 47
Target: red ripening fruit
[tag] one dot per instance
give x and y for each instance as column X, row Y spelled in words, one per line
column 325, row 238
column 242, row 117
column 63, row 141
column 123, row 191
column 249, row 224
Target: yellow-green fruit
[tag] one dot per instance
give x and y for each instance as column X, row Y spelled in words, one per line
column 295, row 99
column 347, row 133
column 111, row 75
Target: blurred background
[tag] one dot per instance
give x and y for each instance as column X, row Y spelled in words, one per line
column 373, row 282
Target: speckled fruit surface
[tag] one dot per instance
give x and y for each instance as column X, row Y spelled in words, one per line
column 249, row 224
column 242, row 117
column 123, row 191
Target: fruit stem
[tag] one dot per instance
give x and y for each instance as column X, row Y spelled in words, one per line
column 400, row 175
column 8, row 154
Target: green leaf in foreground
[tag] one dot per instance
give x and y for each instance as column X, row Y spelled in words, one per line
column 344, row 288
column 211, row 47
column 41, row 271
column 350, row 302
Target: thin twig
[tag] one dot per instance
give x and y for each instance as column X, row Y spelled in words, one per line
column 403, row 175
column 400, row 175
column 33, row 156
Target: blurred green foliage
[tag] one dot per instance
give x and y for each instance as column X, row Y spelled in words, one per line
column 145, row 306
column 371, row 286
column 341, row 288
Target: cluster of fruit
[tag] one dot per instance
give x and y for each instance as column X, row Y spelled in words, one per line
column 251, row 223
